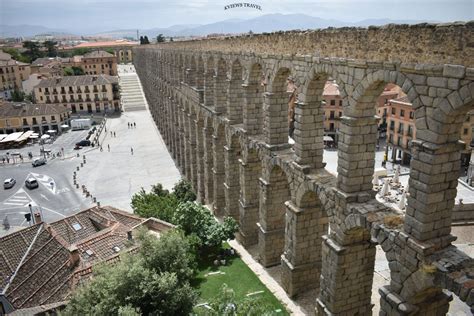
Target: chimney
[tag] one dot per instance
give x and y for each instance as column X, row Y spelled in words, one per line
column 38, row 219
column 73, row 256
column 129, row 235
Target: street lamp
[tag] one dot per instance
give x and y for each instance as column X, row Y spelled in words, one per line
column 31, row 212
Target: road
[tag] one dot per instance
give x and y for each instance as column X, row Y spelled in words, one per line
column 56, row 197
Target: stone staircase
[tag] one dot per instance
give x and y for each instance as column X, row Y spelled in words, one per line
column 131, row 93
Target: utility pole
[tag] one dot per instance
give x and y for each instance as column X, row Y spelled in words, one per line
column 138, row 37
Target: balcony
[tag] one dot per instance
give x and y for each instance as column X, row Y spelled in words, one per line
column 95, row 90
column 46, row 93
column 96, row 99
column 103, row 90
column 78, row 91
column 88, row 100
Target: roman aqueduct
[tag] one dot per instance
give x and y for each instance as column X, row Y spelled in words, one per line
column 221, row 107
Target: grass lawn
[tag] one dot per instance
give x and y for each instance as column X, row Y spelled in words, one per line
column 237, row 276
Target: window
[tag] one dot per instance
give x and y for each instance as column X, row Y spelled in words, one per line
column 76, row 226
column 43, row 119
column 34, row 121
column 411, row 115
column 402, row 113
column 116, row 248
column 25, row 121
column 88, row 253
column 392, row 125
column 394, row 111
column 340, row 102
column 331, row 116
column 340, row 113
column 465, row 131
column 333, row 102
column 410, row 130
column 41, row 98
column 53, row 118
column 400, row 128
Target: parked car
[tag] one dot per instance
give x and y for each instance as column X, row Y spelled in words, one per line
column 84, row 142
column 77, row 147
column 9, row 183
column 31, row 183
column 38, row 162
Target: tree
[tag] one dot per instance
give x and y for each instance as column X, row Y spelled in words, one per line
column 16, row 54
column 160, row 38
column 17, row 96
column 73, row 71
column 171, row 39
column 141, row 40
column 140, row 285
column 195, row 219
column 51, row 48
column 153, row 205
column 32, row 50
column 183, row 191
column 145, row 40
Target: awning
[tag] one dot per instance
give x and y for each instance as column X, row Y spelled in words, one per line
column 328, row 139
column 45, row 136
column 52, row 131
column 11, row 137
column 24, row 137
column 64, row 126
column 34, row 137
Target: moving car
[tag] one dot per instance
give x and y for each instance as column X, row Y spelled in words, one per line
column 38, row 162
column 9, row 183
column 31, row 183
column 84, row 142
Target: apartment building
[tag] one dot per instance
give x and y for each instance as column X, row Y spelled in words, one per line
column 85, row 94
column 23, row 116
column 12, row 73
column 122, row 49
column 333, row 110
column 402, row 129
column 99, row 62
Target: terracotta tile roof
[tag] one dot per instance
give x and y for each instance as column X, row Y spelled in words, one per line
column 13, row 109
column 77, row 81
column 42, row 264
column 98, row 54
column 106, row 44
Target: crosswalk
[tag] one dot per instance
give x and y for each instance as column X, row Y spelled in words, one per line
column 19, row 199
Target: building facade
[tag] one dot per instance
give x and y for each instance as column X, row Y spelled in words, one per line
column 122, row 49
column 81, row 94
column 99, row 62
column 12, row 73
column 22, row 117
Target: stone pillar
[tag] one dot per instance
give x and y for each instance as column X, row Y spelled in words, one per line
column 218, row 171
column 346, row 278
column 433, row 180
column 356, row 155
column 220, row 93
column 232, row 182
column 301, row 260
column 200, row 191
column 271, row 224
column 308, row 135
column 275, row 121
column 253, row 106
column 235, row 101
column 208, row 162
column 250, row 171
column 192, row 151
column 209, row 89
column 185, row 144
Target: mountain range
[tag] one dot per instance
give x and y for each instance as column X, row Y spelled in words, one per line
column 264, row 23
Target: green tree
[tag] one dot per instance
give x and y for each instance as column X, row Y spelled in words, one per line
column 171, row 39
column 153, row 205
column 142, row 40
column 17, row 96
column 32, row 50
column 73, row 71
column 51, row 50
column 195, row 219
column 150, row 286
column 145, row 40
column 16, row 55
column 160, row 38
column 183, row 191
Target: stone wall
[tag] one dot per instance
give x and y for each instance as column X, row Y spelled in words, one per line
column 420, row 43
column 221, row 112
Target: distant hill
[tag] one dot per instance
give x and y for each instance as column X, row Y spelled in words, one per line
column 26, row 30
column 264, row 23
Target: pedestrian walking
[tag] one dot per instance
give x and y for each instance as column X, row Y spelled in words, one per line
column 108, row 147
column 131, row 149
column 115, row 135
column 134, row 124
column 101, row 148
column 111, row 133
column 128, row 124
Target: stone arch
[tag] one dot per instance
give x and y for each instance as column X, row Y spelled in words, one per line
column 232, row 155
column 274, row 192
column 200, row 146
column 253, row 90
column 208, row 157
column 200, row 72
column 221, row 87
column 218, row 170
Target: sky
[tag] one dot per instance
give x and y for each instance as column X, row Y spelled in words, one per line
column 103, row 15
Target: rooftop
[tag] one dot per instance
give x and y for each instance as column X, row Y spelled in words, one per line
column 106, row 44
column 42, row 264
column 98, row 54
column 77, row 81
column 19, row 109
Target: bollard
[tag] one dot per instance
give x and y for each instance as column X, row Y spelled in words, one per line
column 94, row 199
column 77, row 168
column 77, row 185
column 98, row 204
column 82, row 165
column 77, row 155
column 84, row 157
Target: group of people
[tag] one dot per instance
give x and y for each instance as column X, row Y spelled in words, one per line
column 132, row 125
